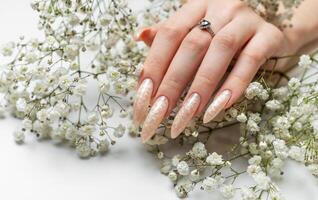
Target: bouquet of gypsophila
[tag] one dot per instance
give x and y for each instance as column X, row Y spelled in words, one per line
column 88, row 46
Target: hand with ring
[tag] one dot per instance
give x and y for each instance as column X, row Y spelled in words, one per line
column 196, row 45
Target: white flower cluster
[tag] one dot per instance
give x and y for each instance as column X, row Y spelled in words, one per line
column 256, row 89
column 47, row 82
column 185, row 174
column 281, row 124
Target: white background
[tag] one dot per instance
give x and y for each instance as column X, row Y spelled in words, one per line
column 41, row 170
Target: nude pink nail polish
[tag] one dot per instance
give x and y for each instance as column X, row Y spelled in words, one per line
column 154, row 118
column 142, row 101
column 185, row 114
column 217, row 106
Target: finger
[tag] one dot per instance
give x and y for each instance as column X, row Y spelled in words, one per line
column 163, row 49
column 222, row 49
column 263, row 45
column 147, row 34
column 179, row 73
column 185, row 63
column 182, row 70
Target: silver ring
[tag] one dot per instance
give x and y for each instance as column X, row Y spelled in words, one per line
column 205, row 25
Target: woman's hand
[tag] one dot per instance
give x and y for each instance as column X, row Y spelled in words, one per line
column 181, row 52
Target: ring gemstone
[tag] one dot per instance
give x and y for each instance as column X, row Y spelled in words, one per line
column 204, row 24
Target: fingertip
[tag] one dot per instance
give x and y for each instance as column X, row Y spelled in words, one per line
column 145, row 35
column 145, row 139
column 175, row 132
column 206, row 118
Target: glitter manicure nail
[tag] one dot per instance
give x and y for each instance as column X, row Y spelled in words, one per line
column 185, row 114
column 142, row 101
column 154, row 118
column 217, row 106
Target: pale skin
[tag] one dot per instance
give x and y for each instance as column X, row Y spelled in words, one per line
column 181, row 55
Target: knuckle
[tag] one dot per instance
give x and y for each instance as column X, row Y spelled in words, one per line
column 152, row 64
column 205, row 81
column 255, row 58
column 240, row 81
column 196, row 42
column 275, row 31
column 171, row 84
column 225, row 41
column 277, row 37
column 170, row 31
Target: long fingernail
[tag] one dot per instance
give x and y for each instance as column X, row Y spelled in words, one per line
column 217, row 106
column 185, row 115
column 154, row 118
column 142, row 101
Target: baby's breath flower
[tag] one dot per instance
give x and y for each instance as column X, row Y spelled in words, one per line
column 241, row 118
column 183, row 187
column 248, row 194
column 104, row 86
column 280, row 148
column 227, row 191
column 305, row 61
column 210, row 184
column 252, row 126
column 263, row 182
column 183, row 168
column 19, row 136
column 160, row 155
column 176, row 159
column 83, row 150
column 297, row 153
column 119, row 131
column 103, row 146
column 173, row 176
column 253, row 169
column 7, row 49
column 166, row 166
column 294, row 83
column 21, row 104
column 273, row 105
column 199, row 150
column 214, row 159
column 255, row 160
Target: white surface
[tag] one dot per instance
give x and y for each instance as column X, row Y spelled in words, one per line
column 40, row 170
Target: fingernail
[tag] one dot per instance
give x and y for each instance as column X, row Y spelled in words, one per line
column 142, row 101
column 139, row 34
column 217, row 106
column 185, row 115
column 154, row 118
